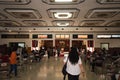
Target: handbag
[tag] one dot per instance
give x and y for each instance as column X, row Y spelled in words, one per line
column 64, row 72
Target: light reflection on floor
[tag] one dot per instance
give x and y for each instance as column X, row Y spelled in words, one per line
column 47, row 69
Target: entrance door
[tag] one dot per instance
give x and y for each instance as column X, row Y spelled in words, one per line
column 77, row 43
column 65, row 44
column 47, row 43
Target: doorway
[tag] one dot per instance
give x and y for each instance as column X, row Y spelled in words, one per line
column 77, row 43
column 63, row 44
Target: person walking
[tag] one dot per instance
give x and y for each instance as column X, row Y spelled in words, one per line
column 74, row 65
column 13, row 62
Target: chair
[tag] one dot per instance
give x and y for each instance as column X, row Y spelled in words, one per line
column 4, row 69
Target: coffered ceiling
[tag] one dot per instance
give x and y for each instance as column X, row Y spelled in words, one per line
column 57, row 15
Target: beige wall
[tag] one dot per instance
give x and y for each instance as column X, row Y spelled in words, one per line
column 112, row 42
column 6, row 41
column 97, row 42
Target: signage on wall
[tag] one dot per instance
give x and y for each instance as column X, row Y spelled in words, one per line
column 62, row 36
column 108, row 36
column 14, row 36
column 82, row 36
column 42, row 36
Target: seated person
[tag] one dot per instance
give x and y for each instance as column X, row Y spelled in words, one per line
column 98, row 61
column 0, row 57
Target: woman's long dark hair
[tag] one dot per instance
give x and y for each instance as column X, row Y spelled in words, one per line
column 73, row 56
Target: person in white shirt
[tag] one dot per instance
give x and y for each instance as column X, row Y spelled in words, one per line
column 74, row 65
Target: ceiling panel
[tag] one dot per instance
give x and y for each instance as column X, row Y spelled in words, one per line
column 63, row 13
column 9, row 23
column 92, row 23
column 23, row 13
column 66, row 15
column 35, row 23
column 108, row 1
column 102, row 13
column 114, row 23
column 62, row 2
column 14, row 2
column 63, row 23
column 2, row 16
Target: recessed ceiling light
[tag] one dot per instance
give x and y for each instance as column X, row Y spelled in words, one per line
column 63, row 24
column 63, row 0
column 10, row 30
column 29, row 30
column 62, row 15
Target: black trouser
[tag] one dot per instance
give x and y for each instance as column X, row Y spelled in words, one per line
column 48, row 54
column 73, row 77
column 93, row 66
column 113, row 77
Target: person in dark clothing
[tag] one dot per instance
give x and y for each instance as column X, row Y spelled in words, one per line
column 0, row 57
column 98, row 61
column 58, row 51
column 48, row 52
column 92, row 60
column 113, row 77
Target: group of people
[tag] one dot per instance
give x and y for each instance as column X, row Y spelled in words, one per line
column 100, row 59
column 73, row 60
column 49, row 51
column 74, row 64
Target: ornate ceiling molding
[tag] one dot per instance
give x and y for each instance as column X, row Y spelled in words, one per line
column 21, row 13
column 53, row 2
column 15, row 2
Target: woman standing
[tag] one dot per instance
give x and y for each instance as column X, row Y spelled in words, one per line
column 74, row 65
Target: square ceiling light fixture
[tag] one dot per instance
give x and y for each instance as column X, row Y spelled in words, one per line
column 23, row 13
column 102, row 13
column 109, row 1
column 14, row 1
column 63, row 23
column 63, row 13
column 62, row 1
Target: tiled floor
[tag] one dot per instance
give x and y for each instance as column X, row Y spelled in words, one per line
column 47, row 69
